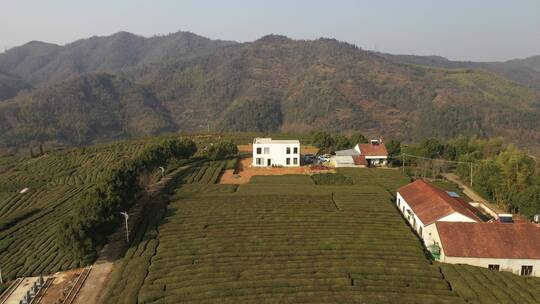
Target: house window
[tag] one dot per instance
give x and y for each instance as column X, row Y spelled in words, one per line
column 420, row 231
column 494, row 267
column 526, row 270
column 259, row 150
column 399, row 202
column 288, row 161
column 288, row 150
column 295, row 150
column 266, row 150
column 259, row 161
column 403, row 209
column 295, row 161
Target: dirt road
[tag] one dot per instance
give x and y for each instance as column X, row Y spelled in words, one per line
column 471, row 193
column 245, row 171
column 114, row 250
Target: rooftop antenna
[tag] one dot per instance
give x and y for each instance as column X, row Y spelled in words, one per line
column 126, row 217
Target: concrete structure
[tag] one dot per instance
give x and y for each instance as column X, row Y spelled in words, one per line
column 373, row 153
column 503, row 247
column 422, row 204
column 268, row 153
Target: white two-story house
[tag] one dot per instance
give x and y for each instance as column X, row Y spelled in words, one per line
column 268, row 152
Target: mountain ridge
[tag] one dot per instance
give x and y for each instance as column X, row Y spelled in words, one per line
column 271, row 84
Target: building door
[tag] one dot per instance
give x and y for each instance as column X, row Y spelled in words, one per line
column 269, row 162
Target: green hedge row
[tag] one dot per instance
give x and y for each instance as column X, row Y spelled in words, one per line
column 96, row 213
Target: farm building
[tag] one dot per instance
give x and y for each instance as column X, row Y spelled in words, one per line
column 268, row 152
column 373, row 153
column 497, row 246
column 340, row 161
column 423, row 204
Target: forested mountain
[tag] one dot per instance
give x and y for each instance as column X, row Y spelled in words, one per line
column 39, row 62
column 81, row 110
column 524, row 71
column 11, row 85
column 272, row 84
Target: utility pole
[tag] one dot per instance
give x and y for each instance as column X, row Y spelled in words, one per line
column 126, row 217
column 471, row 175
column 403, row 162
column 1, row 279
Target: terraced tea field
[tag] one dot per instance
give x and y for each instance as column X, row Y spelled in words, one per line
column 483, row 286
column 28, row 221
column 281, row 239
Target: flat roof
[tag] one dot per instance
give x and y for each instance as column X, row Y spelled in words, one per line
column 259, row 140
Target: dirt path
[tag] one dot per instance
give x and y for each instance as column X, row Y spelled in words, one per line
column 471, row 193
column 245, row 171
column 477, row 198
column 114, row 250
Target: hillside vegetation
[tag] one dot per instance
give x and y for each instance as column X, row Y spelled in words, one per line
column 44, row 63
column 71, row 201
column 272, row 84
column 524, row 71
column 11, row 85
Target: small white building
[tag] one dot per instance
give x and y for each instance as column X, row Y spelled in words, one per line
column 423, row 204
column 497, row 246
column 268, row 152
column 373, row 153
column 347, row 161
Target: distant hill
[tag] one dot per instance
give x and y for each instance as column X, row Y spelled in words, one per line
column 524, row 71
column 81, row 110
column 39, row 62
column 272, row 84
column 11, row 85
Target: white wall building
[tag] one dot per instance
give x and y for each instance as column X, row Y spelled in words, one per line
column 503, row 247
column 373, row 153
column 268, row 152
column 423, row 204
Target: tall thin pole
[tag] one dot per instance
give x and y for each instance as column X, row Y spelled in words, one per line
column 1, row 279
column 471, row 175
column 126, row 216
column 403, row 162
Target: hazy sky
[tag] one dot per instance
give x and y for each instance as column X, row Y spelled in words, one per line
column 467, row 30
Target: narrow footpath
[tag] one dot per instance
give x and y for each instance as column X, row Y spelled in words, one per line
column 471, row 193
column 114, row 250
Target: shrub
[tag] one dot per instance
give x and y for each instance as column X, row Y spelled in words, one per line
column 221, row 150
column 332, row 179
column 17, row 217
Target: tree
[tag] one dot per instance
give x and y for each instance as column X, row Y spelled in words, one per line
column 528, row 201
column 431, row 148
column 341, row 142
column 358, row 139
column 221, row 150
column 323, row 140
column 393, row 147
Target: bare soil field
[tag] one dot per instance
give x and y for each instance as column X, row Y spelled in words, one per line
column 63, row 282
column 244, row 172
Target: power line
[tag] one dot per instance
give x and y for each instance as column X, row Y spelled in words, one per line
column 437, row 159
